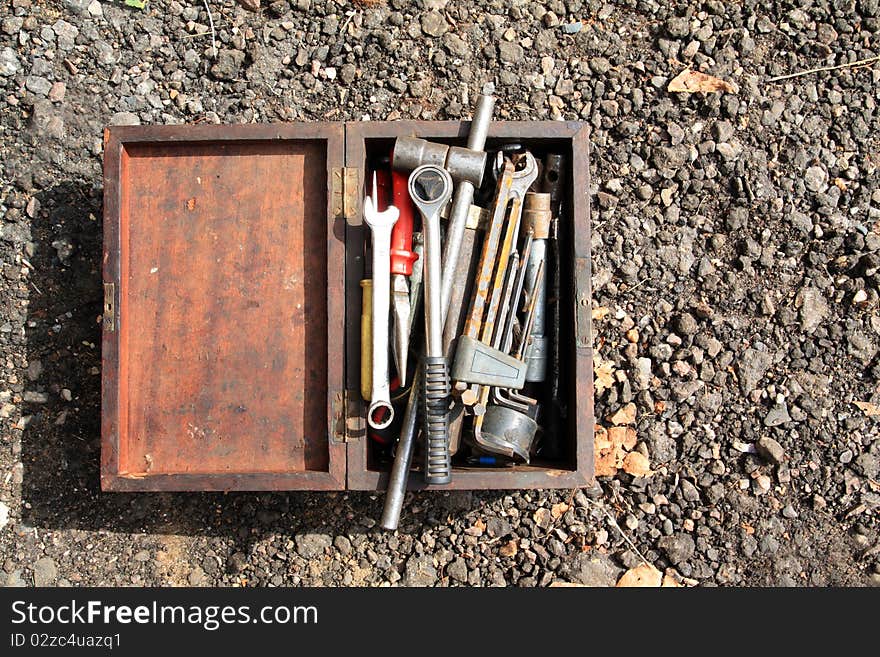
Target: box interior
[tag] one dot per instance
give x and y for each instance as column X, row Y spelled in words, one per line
column 223, row 317
column 379, row 456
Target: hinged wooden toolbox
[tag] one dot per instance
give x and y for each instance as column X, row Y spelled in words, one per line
column 233, row 257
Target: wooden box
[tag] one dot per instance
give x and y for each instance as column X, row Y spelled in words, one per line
column 232, row 261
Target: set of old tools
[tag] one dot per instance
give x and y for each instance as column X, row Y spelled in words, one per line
column 483, row 292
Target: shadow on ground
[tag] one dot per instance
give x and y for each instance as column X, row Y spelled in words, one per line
column 61, row 442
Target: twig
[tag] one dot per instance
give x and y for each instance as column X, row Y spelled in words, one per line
column 861, row 62
column 211, row 22
column 617, row 527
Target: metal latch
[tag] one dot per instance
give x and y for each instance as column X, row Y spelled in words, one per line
column 583, row 308
column 109, row 307
column 345, row 192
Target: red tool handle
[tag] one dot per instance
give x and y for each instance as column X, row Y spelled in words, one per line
column 402, row 256
column 383, row 193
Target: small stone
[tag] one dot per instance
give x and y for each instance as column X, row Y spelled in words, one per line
column 45, row 571
column 572, row 28
column 789, row 512
column 867, row 465
column 458, row 571
column 57, row 91
column 95, row 9
column 66, row 394
column 770, row 450
column 678, row 547
column 433, row 23
column 777, row 415
column 33, row 397
column 816, row 179
column 4, row 515
column 510, row 53
column 38, row 85
column 34, row 370
column 592, row 569
column 64, row 249
column 9, row 64
column 125, row 118
column 685, row 324
column 420, row 571
column 689, row 492
column 312, row 545
column 228, row 64
column 813, row 308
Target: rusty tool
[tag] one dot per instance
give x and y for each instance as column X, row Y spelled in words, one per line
column 461, row 202
column 476, row 360
column 463, row 164
column 505, row 429
column 430, row 188
column 381, row 412
column 402, row 259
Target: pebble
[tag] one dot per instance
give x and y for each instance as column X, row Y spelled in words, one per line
column 9, row 63
column 311, row 545
column 420, row 571
column 679, row 547
column 45, row 571
column 770, row 450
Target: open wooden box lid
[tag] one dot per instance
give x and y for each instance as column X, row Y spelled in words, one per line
column 224, row 308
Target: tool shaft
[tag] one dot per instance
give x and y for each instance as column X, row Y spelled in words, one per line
column 464, row 195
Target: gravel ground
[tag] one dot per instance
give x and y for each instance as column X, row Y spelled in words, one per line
column 736, row 274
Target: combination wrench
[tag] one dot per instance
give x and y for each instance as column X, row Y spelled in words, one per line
column 430, row 188
column 381, row 412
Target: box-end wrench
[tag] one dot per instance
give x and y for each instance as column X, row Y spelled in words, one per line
column 430, row 188
column 381, row 412
column 461, row 203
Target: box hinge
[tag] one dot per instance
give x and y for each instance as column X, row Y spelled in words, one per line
column 109, row 315
column 347, row 423
column 355, row 424
column 583, row 311
column 345, row 191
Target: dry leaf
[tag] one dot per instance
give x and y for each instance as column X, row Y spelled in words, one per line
column 626, row 415
column 250, row 5
column 604, row 373
column 669, row 581
column 643, row 575
column 690, row 81
column 558, row 510
column 606, row 462
column 624, row 437
column 508, row 549
column 479, row 524
column 637, row 464
column 600, row 312
column 868, row 408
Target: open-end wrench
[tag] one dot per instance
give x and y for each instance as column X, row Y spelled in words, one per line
column 381, row 412
column 430, row 188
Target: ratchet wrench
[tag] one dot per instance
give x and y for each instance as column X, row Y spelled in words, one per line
column 380, row 413
column 430, row 188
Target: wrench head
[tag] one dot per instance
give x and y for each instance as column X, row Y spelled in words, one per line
column 430, row 188
column 375, row 219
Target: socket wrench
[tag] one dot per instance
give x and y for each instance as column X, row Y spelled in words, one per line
column 430, row 188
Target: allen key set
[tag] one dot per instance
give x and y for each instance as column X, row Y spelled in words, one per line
column 364, row 305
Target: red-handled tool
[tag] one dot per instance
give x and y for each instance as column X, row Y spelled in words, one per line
column 402, row 256
column 402, row 259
